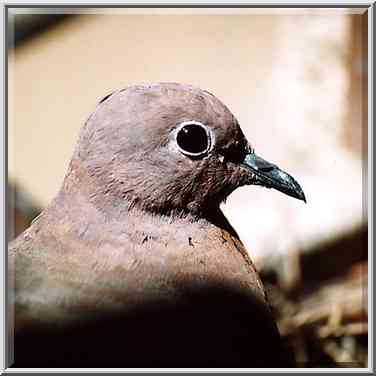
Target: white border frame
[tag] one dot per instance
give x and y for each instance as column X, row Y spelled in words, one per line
column 369, row 192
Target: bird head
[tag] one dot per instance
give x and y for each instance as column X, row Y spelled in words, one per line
column 171, row 148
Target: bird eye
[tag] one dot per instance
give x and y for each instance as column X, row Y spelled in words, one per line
column 193, row 138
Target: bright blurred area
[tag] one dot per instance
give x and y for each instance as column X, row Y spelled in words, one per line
column 296, row 79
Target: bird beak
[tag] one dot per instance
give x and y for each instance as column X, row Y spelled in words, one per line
column 271, row 176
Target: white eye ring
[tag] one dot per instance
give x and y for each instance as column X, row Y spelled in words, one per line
column 198, row 147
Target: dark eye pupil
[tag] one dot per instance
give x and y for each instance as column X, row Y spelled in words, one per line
column 192, row 138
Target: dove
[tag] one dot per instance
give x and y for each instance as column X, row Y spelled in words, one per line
column 133, row 263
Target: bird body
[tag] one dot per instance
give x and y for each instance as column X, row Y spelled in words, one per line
column 67, row 264
column 133, row 263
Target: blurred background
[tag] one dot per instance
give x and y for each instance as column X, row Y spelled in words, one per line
column 296, row 79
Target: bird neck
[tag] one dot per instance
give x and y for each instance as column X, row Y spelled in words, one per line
column 82, row 189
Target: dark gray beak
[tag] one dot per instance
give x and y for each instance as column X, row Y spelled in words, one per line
column 271, row 176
